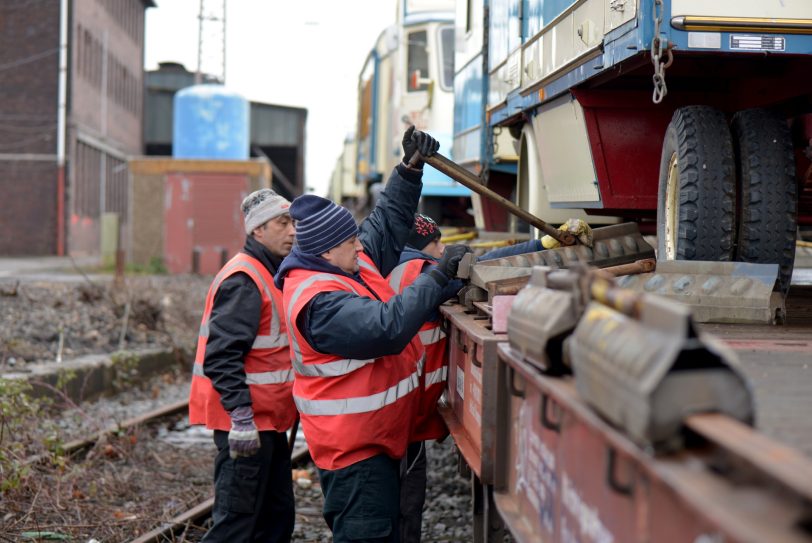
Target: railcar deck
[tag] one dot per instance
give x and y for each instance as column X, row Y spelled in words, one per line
column 778, row 362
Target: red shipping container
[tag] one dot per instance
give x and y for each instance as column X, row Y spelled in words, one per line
column 203, row 224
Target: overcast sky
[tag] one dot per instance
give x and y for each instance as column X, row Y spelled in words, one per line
column 306, row 54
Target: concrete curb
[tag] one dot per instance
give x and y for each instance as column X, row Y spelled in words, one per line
column 90, row 377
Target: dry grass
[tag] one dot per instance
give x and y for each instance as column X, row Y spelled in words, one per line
column 123, row 487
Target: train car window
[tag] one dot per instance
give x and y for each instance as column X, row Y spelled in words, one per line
column 366, row 110
column 418, row 59
column 446, row 57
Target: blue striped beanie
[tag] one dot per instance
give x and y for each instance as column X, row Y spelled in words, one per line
column 320, row 224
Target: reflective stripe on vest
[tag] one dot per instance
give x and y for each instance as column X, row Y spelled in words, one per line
column 328, row 369
column 271, row 341
column 331, row 369
column 364, row 264
column 335, row 368
column 260, row 378
column 396, row 277
column 362, row 404
column 429, row 337
column 437, row 376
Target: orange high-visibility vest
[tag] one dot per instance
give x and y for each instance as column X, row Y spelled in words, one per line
column 268, row 369
column 350, row 409
column 429, row 424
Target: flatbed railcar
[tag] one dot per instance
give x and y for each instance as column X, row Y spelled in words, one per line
column 546, row 465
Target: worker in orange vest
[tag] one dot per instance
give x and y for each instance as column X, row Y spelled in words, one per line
column 242, row 381
column 424, row 250
column 355, row 354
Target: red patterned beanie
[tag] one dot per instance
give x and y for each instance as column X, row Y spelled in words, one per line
column 424, row 231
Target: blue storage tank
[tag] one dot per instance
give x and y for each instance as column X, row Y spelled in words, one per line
column 210, row 122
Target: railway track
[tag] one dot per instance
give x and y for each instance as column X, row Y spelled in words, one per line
column 196, row 516
column 118, row 481
column 179, row 525
column 164, row 502
column 77, row 445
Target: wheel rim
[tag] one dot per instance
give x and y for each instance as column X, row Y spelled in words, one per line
column 672, row 208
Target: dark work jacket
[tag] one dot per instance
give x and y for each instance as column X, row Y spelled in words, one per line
column 532, row 246
column 410, row 253
column 351, row 326
column 451, row 289
column 233, row 325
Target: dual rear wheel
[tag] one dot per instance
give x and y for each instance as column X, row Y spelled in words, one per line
column 728, row 191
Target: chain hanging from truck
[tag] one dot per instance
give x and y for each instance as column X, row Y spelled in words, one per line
column 660, row 88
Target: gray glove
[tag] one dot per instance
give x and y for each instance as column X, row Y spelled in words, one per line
column 415, row 140
column 243, row 439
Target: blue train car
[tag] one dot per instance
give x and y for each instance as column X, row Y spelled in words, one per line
column 408, row 79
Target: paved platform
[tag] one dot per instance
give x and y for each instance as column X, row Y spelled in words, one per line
column 92, row 376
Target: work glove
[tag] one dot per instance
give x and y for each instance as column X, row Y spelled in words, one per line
column 414, row 141
column 577, row 227
column 447, row 267
column 243, row 439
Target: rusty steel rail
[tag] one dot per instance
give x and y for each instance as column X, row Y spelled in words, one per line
column 780, row 463
column 645, row 265
column 179, row 523
column 76, row 445
column 196, row 514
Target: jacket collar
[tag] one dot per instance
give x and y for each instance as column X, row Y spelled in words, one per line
column 299, row 260
column 410, row 253
column 257, row 250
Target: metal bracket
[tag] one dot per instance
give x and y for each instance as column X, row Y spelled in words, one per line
column 474, row 361
column 623, row 489
column 546, row 421
column 513, row 390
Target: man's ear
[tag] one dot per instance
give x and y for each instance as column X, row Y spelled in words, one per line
column 328, row 256
column 258, row 230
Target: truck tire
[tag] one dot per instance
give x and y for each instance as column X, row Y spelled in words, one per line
column 768, row 193
column 697, row 192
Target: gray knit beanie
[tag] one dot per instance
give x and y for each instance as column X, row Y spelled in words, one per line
column 261, row 206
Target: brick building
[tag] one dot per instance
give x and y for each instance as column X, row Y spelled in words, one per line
column 45, row 212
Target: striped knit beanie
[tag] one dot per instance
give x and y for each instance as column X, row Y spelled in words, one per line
column 320, row 224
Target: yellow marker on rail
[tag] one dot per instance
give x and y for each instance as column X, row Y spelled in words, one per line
column 458, row 237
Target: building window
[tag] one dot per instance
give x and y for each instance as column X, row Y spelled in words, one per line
column 116, row 175
column 446, row 57
column 89, row 56
column 87, row 187
column 127, row 14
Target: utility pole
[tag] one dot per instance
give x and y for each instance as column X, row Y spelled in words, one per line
column 211, row 41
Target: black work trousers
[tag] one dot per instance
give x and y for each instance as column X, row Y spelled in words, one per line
column 253, row 496
column 412, row 492
column 361, row 501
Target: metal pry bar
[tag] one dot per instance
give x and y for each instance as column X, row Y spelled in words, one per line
column 466, row 178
